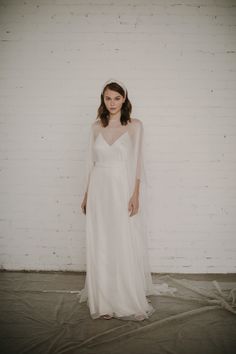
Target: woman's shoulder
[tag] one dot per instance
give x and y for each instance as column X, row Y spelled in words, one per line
column 96, row 124
column 136, row 121
column 95, row 128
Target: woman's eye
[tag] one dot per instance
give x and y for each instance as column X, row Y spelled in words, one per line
column 108, row 98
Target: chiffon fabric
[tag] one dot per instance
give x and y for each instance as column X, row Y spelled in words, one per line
column 118, row 278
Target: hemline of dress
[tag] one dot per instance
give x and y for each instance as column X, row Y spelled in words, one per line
column 128, row 317
column 157, row 289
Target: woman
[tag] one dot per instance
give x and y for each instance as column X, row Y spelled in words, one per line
column 117, row 277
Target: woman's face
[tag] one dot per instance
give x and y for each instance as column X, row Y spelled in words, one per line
column 113, row 101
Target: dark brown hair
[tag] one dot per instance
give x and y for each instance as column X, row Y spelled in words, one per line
column 126, row 108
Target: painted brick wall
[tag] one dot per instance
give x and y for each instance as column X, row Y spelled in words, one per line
column 178, row 60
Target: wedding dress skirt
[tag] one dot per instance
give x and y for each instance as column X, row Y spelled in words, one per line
column 118, row 279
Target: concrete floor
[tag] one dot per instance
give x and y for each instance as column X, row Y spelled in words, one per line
column 40, row 313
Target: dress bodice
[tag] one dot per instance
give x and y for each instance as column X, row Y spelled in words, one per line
column 116, row 143
column 107, row 153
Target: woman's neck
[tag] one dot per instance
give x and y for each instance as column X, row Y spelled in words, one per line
column 115, row 117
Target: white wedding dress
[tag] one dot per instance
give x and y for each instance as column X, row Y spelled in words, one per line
column 118, row 278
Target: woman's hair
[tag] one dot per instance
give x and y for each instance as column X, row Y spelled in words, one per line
column 126, row 108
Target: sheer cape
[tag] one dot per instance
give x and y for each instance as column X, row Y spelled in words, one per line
column 136, row 169
column 135, row 164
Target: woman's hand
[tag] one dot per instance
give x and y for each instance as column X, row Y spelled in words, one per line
column 133, row 204
column 83, row 205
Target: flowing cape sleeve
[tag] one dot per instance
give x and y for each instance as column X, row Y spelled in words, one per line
column 140, row 172
column 89, row 159
column 137, row 161
column 137, row 170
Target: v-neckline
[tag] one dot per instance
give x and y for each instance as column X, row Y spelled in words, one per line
column 110, row 145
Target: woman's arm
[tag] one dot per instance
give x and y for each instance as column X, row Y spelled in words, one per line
column 134, row 200
column 136, row 188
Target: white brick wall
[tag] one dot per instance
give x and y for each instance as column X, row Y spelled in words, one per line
column 178, row 60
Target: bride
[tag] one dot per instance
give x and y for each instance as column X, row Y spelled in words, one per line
column 118, row 278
